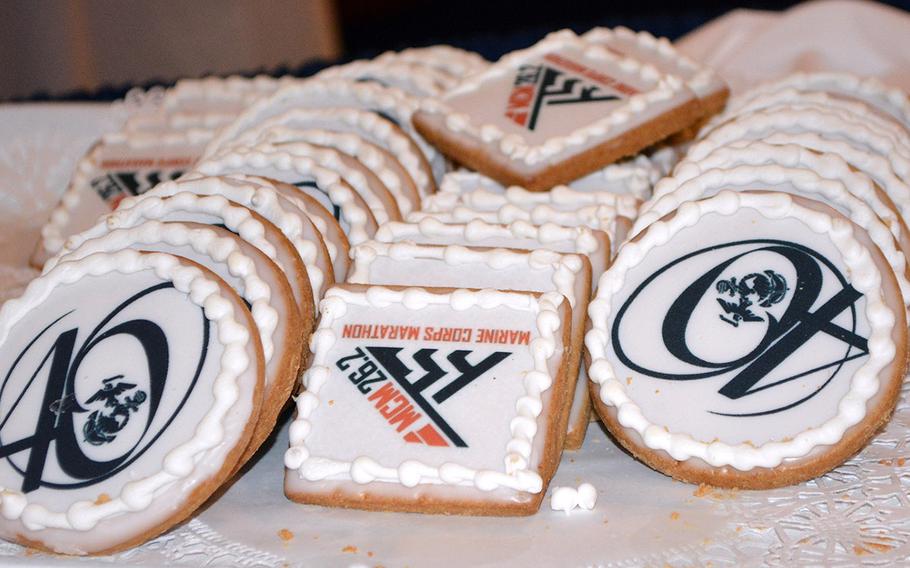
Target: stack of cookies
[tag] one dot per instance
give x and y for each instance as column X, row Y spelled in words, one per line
column 409, row 245
column 753, row 331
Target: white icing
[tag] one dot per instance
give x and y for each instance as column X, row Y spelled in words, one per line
column 212, row 438
column 827, row 166
column 210, row 196
column 355, row 216
column 289, row 126
column 592, row 243
column 464, row 112
column 696, row 184
column 567, row 498
column 219, row 253
column 81, row 204
column 417, row 80
column 517, row 473
column 455, row 62
column 870, row 90
column 320, row 93
column 863, row 385
column 703, row 81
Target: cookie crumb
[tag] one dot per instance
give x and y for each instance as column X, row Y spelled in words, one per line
column 674, row 516
column 350, row 548
column 628, row 380
column 370, row 553
column 332, row 402
column 102, row 499
column 656, row 391
column 901, row 462
column 703, row 490
column 859, row 551
column 285, row 535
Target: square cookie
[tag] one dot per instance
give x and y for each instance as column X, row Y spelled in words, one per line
column 556, row 111
column 431, row 400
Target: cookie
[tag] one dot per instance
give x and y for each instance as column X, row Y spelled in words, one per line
column 711, row 90
column 368, row 186
column 799, row 181
column 412, row 78
column 854, row 134
column 219, row 212
column 634, row 176
column 474, row 431
column 749, row 340
column 256, row 213
column 889, row 101
column 326, row 186
column 168, row 373
column 115, row 168
column 827, row 166
column 282, row 329
column 455, row 62
column 390, row 103
column 593, row 244
column 557, row 111
column 375, row 158
column 291, row 126
column 456, row 266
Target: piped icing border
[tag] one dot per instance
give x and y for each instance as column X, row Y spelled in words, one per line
column 514, row 145
column 457, row 62
column 481, row 193
column 565, row 266
column 387, row 101
column 360, row 220
column 477, row 230
column 180, row 462
column 203, row 241
column 418, row 80
column 517, row 473
column 827, row 166
column 287, row 127
column 217, row 197
column 805, row 181
column 703, row 81
column 864, row 384
column 891, row 100
column 761, row 123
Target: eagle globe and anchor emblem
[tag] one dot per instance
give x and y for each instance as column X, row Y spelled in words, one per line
column 761, row 290
column 103, row 425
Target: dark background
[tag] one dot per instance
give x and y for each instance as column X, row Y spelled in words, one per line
column 491, row 28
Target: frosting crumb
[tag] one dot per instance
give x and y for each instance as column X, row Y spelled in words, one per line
column 568, row 498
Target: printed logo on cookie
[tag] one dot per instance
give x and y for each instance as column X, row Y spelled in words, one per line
column 540, row 86
column 115, row 186
column 88, row 395
column 409, row 387
column 774, row 322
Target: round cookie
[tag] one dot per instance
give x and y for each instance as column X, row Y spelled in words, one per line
column 361, row 179
column 390, row 103
column 326, row 186
column 747, row 340
column 256, row 195
column 799, row 181
column 887, row 100
column 417, row 80
column 282, row 330
column 457, row 63
column 287, row 127
column 827, row 166
column 132, row 382
column 893, row 191
column 216, row 210
column 378, row 160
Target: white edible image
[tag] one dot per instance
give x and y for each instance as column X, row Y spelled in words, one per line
column 751, row 335
column 551, row 95
column 100, row 382
column 405, row 388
